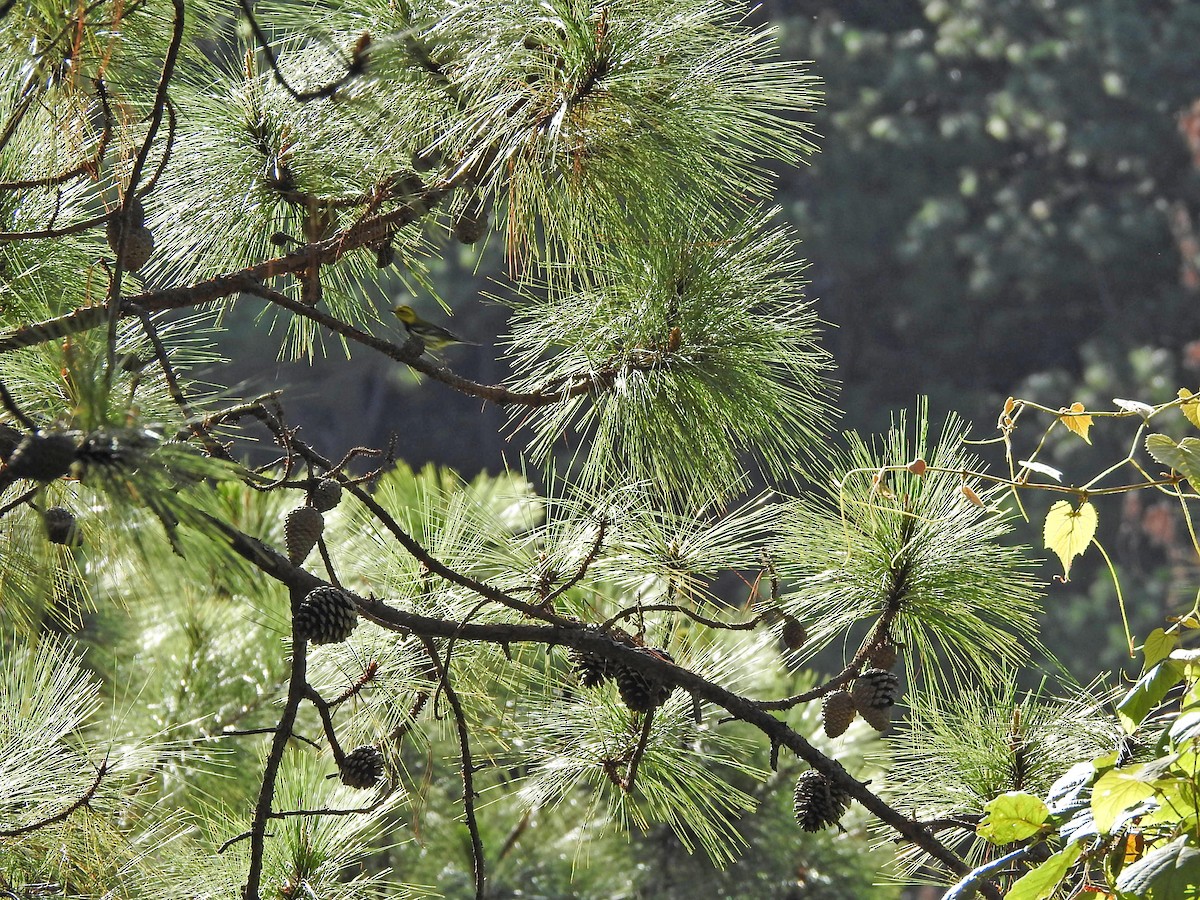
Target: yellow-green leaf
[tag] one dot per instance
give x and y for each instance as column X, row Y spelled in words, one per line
column 1075, row 421
column 1116, row 795
column 1013, row 816
column 1069, row 531
column 1158, row 646
column 1042, row 882
column 1190, row 406
column 1183, row 457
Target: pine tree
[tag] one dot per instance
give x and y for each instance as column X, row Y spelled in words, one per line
column 420, row 679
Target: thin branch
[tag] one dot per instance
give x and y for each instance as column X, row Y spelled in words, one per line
column 468, row 770
column 101, row 771
column 323, row 710
column 631, row 611
column 291, row 813
column 24, row 498
column 580, row 572
column 354, row 68
column 638, row 752
column 971, row 882
column 11, row 405
column 266, row 794
column 370, row 670
column 89, row 166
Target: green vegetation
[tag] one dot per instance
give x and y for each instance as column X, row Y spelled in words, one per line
column 689, row 641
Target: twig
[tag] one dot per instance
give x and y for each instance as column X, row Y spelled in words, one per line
column 354, row 68
column 101, row 771
column 310, row 694
column 266, row 794
column 87, row 167
column 11, row 405
column 580, row 572
column 631, row 611
column 291, row 813
column 638, row 752
column 468, row 770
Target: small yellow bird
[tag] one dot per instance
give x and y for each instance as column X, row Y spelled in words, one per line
column 433, row 337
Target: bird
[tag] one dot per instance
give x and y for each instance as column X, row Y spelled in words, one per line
column 432, row 337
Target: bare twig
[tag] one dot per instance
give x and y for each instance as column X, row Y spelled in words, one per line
column 83, row 800
column 287, row 718
column 638, row 752
column 468, row 769
column 354, row 68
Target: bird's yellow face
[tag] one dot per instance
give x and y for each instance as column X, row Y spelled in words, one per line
column 405, row 314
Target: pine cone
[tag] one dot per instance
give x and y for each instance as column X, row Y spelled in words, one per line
column 471, row 223
column 362, row 767
column 138, row 239
column 326, row 495
column 875, row 692
column 639, row 693
column 883, row 656
column 794, row 634
column 837, row 712
column 61, row 527
column 301, row 528
column 43, row 455
column 592, row 670
column 819, row 802
column 326, row 616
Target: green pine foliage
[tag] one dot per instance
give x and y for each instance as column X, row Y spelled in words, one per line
column 677, row 527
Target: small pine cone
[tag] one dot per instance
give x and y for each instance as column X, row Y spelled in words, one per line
column 43, row 456
column 301, row 528
column 818, row 801
column 639, row 693
column 837, row 712
column 362, row 767
column 883, row 656
column 875, row 692
column 592, row 670
column 326, row 495
column 471, row 223
column 794, row 633
column 138, row 243
column 61, row 527
column 326, row 616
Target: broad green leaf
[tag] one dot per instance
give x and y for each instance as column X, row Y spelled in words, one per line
column 1145, row 410
column 1158, row 647
column 1177, row 804
column 1115, row 795
column 1166, row 873
column 1190, row 406
column 1013, row 816
column 1069, row 531
column 1148, row 693
column 1075, row 421
column 1183, row 457
column 1041, row 883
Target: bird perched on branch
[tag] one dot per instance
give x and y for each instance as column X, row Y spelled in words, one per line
column 433, row 337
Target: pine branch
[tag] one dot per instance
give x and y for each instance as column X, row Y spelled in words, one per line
column 580, row 637
column 63, row 815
